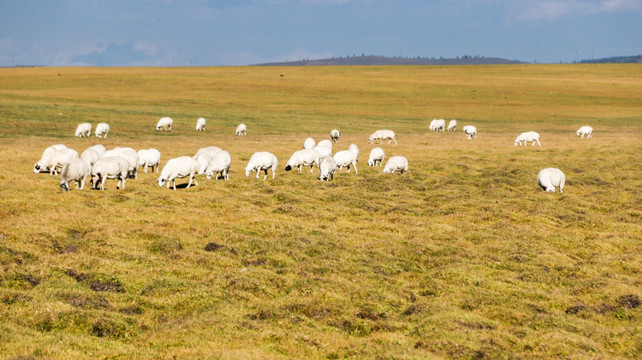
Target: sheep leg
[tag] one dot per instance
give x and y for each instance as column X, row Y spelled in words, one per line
column 355, row 167
column 266, row 173
column 174, row 181
column 145, row 169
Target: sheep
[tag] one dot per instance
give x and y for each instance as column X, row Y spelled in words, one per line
column 179, row 167
column 200, row 124
column 376, row 155
column 241, row 130
column 346, row 158
column 100, row 149
column 452, row 125
column 83, row 130
column 309, row 143
column 327, row 167
column 75, row 170
column 209, row 151
column 323, row 151
column 149, row 158
column 335, row 135
column 164, row 124
column 325, row 143
column 584, row 130
column 355, row 149
column 101, row 130
column 396, row 163
column 470, row 132
column 550, row 178
column 90, row 156
column 382, row 135
column 128, row 154
column 526, row 137
column 305, row 157
column 204, row 161
column 54, row 159
column 44, row 159
column 220, row 164
column 262, row 161
column 111, row 167
column 437, row 125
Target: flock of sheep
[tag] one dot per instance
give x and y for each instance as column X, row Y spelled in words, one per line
column 121, row 163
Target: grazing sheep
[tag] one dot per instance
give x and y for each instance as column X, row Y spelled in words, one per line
column 149, row 158
column 325, row 143
column 550, row 178
column 355, row 149
column 100, row 149
column 382, row 135
column 210, row 151
column 376, row 155
column 241, row 130
column 305, row 157
column 101, row 130
column 83, row 130
column 164, row 124
column 220, row 164
column 128, row 154
column 44, row 159
column 437, row 125
column 90, row 156
column 75, row 170
column 396, row 163
column 470, row 132
column 335, row 135
column 526, row 137
column 54, row 159
column 327, row 167
column 262, row 161
column 200, row 124
column 179, row 167
column 112, row 167
column 309, row 143
column 584, row 130
column 452, row 125
column 323, row 151
column 204, row 161
column 346, row 158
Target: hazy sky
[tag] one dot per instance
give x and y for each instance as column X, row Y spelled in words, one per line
column 242, row 32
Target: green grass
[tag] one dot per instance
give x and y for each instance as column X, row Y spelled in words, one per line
column 462, row 257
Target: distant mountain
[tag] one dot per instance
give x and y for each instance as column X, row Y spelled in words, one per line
column 383, row 60
column 636, row 59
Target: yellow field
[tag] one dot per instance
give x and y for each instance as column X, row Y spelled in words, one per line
column 462, row 257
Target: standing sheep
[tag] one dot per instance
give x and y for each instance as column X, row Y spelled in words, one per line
column 75, row 170
column 164, row 124
column 470, row 132
column 101, row 130
column 241, row 130
column 113, row 167
column 309, row 143
column 149, row 158
column 83, row 130
column 305, row 157
column 327, row 167
column 54, row 159
column 128, row 154
column 262, row 161
column 355, row 150
column 44, row 159
column 382, row 135
column 90, row 155
column 452, row 125
column 526, row 137
column 347, row 158
column 335, row 135
column 179, row 167
column 204, row 161
column 396, row 163
column 210, row 151
column 437, row 125
column 584, row 130
column 550, row 178
column 376, row 155
column 200, row 124
column 100, row 149
column 220, row 164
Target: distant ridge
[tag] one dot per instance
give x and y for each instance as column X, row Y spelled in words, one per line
column 383, row 60
column 635, row 59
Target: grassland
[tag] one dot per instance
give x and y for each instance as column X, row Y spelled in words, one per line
column 462, row 257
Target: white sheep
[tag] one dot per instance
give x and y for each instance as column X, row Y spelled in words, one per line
column 452, row 125
column 585, row 130
column 44, row 159
column 200, row 124
column 346, row 158
column 75, row 170
column 396, row 163
column 164, row 124
column 112, row 167
column 335, row 135
column 179, row 167
column 526, row 137
column 550, row 178
column 323, row 151
column 241, row 130
column 470, row 132
column 309, row 143
column 376, row 155
column 83, row 130
column 325, row 143
column 382, row 135
column 204, row 161
column 100, row 149
column 262, row 161
column 327, row 167
column 305, row 157
column 101, row 130
column 437, row 125
column 90, row 155
column 209, row 151
column 54, row 159
column 128, row 154
column 149, row 158
column 220, row 164
column 355, row 149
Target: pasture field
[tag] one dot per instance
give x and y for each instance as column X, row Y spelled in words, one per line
column 462, row 257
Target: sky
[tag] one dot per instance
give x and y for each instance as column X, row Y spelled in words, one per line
column 245, row 32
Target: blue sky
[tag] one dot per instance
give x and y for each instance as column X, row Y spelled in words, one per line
column 243, row 32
